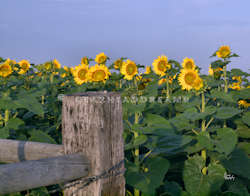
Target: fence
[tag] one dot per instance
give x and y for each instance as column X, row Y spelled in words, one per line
column 90, row 158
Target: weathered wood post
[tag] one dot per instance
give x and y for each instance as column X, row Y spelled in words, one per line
column 92, row 123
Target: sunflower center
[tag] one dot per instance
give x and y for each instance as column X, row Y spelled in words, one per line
column 189, row 65
column 82, row 74
column 189, row 78
column 99, row 75
column 102, row 59
column 130, row 69
column 161, row 65
column 5, row 69
column 141, row 86
column 24, row 66
column 119, row 63
column 224, row 52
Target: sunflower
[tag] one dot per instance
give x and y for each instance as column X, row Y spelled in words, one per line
column 188, row 63
column 118, row 64
column 212, row 71
column 57, row 65
column 187, row 78
column 170, row 80
column 198, row 84
column 238, row 78
column 223, row 52
column 80, row 74
column 148, row 70
column 235, row 86
column 100, row 58
column 85, row 61
column 65, row 74
column 24, row 66
column 48, row 65
column 5, row 70
column 38, row 73
column 161, row 65
column 244, row 103
column 99, row 73
column 11, row 62
column 72, row 70
column 129, row 70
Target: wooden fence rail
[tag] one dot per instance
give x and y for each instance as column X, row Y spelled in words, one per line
column 43, row 172
column 92, row 128
column 12, row 151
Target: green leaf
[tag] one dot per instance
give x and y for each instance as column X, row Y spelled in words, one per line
column 242, row 94
column 225, row 141
column 6, row 103
column 149, row 76
column 157, row 121
column 139, row 129
column 40, row 136
column 221, row 95
column 137, row 142
column 226, row 112
column 236, row 187
column 238, row 72
column 174, row 189
column 148, row 181
column 14, row 123
column 152, row 85
column 243, row 131
column 30, row 103
column 4, row 133
column 196, row 183
column 238, row 163
column 168, row 144
column 192, row 114
column 246, row 118
column 137, row 108
column 179, row 122
column 192, row 102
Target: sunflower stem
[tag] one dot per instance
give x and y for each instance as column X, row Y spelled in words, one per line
column 167, row 80
column 136, row 160
column 203, row 152
column 226, row 88
column 7, row 112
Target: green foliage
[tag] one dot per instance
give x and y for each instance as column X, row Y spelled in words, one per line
column 196, row 183
column 172, row 147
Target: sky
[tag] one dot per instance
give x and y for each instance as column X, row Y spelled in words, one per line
column 141, row 30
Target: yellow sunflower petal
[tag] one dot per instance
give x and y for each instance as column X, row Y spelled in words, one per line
column 85, row 61
column 24, row 66
column 161, row 65
column 187, row 78
column 80, row 74
column 244, row 103
column 5, row 70
column 198, row 84
column 188, row 63
column 148, row 70
column 100, row 58
column 99, row 73
column 223, row 52
column 118, row 64
column 129, row 70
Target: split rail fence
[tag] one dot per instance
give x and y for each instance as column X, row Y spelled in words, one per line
column 92, row 143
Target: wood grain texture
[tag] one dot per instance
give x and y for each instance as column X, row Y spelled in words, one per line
column 92, row 123
column 12, row 151
column 43, row 172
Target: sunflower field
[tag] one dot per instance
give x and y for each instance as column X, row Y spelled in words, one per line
column 185, row 133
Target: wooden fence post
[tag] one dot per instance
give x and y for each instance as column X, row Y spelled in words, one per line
column 92, row 123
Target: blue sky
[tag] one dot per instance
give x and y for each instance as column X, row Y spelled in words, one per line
column 141, row 30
